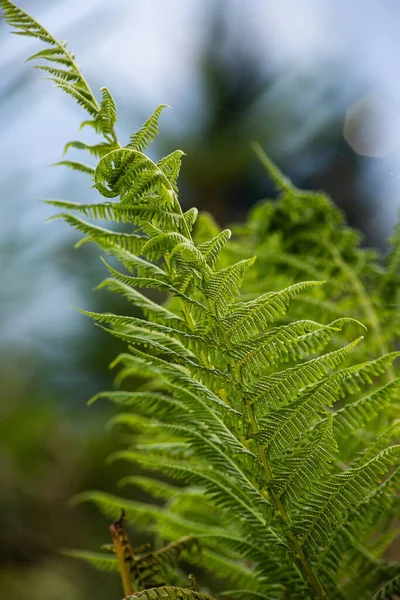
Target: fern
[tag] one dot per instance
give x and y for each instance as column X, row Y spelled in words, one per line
column 302, row 234
column 264, row 403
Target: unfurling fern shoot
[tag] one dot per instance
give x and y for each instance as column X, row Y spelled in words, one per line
column 280, row 428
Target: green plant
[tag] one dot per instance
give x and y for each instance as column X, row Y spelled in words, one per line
column 290, row 476
column 303, row 234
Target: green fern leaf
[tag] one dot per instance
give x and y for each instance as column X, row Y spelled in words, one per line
column 107, row 116
column 146, row 134
column 222, row 287
column 75, row 166
column 251, row 317
column 170, row 166
column 327, row 506
column 211, row 250
column 281, row 387
column 104, row 211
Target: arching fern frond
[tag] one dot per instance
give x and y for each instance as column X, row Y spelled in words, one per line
column 290, row 472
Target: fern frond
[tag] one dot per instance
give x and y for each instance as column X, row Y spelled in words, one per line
column 290, row 472
column 293, row 341
column 69, row 79
column 222, row 287
column 250, row 317
column 329, row 504
column 75, row 166
column 104, row 211
column 97, row 150
column 211, row 250
column 146, row 134
column 107, row 115
column 281, row 387
column 103, row 237
column 170, row 166
column 300, row 469
column 281, row 427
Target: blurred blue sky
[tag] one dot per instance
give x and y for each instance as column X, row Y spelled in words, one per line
column 324, row 60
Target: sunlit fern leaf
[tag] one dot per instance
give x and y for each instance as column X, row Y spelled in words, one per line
column 161, row 345
column 250, row 317
column 56, row 55
column 131, row 327
column 156, row 284
column 298, row 470
column 145, row 515
column 104, row 211
column 170, row 165
column 82, row 97
column 281, row 387
column 25, row 25
column 169, row 553
column 132, row 176
column 136, row 264
column 146, row 134
column 201, row 445
column 101, row 236
column 174, row 243
column 280, row 344
column 149, row 403
column 232, row 570
column 190, row 217
column 222, row 287
column 219, row 487
column 75, row 166
column 242, row 547
column 325, row 508
column 69, row 77
column 107, row 115
column 358, row 525
column 151, row 309
column 98, row 150
column 211, row 249
column 190, row 391
column 281, row 427
column 133, row 324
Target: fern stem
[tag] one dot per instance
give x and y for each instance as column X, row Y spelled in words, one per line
column 122, row 549
column 311, row 576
